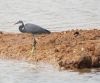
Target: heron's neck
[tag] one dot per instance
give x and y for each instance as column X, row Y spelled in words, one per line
column 22, row 28
column 23, row 25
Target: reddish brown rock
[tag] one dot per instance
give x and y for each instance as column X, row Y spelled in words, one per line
column 85, row 62
column 68, row 49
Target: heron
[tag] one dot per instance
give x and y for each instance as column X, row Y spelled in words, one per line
column 33, row 29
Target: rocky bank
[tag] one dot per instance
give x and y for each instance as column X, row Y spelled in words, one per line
column 75, row 49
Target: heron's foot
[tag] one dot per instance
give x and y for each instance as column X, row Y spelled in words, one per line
column 32, row 52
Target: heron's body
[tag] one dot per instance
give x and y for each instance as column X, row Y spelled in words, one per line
column 32, row 28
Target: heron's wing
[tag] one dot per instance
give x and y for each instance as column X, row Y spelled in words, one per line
column 32, row 28
column 35, row 29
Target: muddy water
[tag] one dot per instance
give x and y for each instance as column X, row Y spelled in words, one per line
column 55, row 15
column 23, row 72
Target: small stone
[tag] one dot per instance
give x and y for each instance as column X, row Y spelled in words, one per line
column 85, row 62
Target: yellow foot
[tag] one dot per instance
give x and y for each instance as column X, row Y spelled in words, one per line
column 32, row 52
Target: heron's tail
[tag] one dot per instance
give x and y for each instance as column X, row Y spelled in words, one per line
column 47, row 31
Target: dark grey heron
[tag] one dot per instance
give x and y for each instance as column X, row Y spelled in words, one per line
column 32, row 28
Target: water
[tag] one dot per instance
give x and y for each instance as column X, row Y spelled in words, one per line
column 55, row 15
column 23, row 72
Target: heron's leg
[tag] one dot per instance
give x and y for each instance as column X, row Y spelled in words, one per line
column 33, row 47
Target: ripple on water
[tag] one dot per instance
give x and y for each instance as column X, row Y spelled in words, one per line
column 55, row 15
column 23, row 72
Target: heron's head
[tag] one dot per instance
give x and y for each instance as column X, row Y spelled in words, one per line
column 19, row 22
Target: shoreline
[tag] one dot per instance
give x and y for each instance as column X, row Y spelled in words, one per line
column 75, row 49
